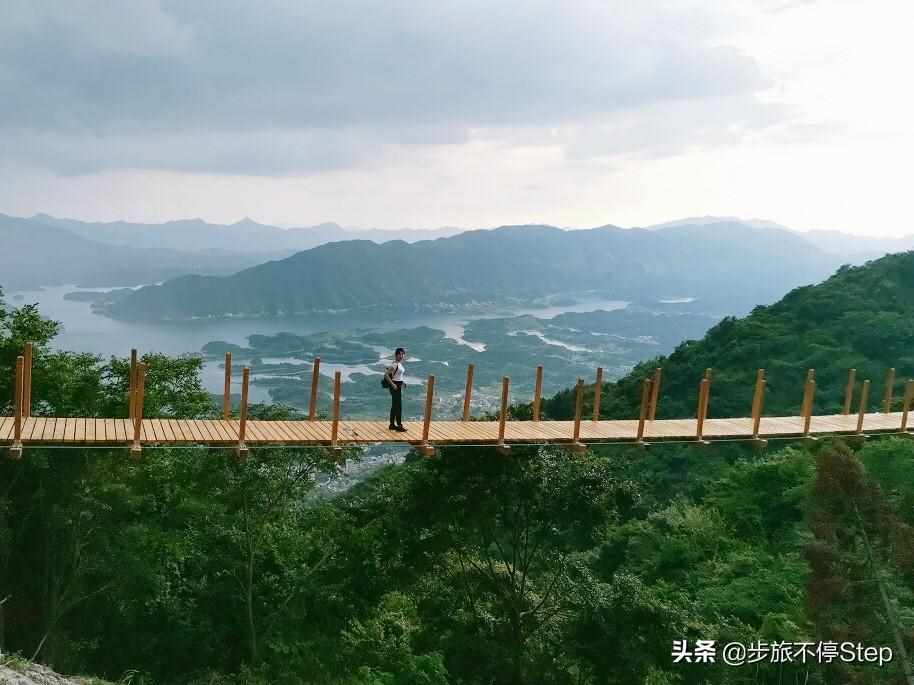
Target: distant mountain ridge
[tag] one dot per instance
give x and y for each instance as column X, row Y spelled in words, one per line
column 730, row 267
column 129, row 254
column 245, row 236
column 46, row 251
column 856, row 248
column 37, row 255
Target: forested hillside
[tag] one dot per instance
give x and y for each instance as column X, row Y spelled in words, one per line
column 474, row 567
column 861, row 317
column 509, row 265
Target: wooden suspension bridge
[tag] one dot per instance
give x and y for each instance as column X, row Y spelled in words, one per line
column 136, row 431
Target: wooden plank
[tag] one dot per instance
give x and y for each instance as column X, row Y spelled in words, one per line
column 348, row 432
column 203, row 429
column 80, row 434
column 289, row 436
column 6, row 427
column 27, row 428
column 167, row 430
column 231, row 427
column 90, row 429
column 478, row 430
column 48, row 430
column 101, row 430
column 280, row 433
column 453, row 431
column 362, row 431
column 31, row 427
column 297, row 430
column 321, row 430
column 306, row 431
column 120, row 431
column 254, row 433
column 183, row 426
column 211, row 430
column 378, row 429
column 260, row 429
column 155, row 427
column 70, row 432
column 196, row 433
column 60, row 430
column 225, row 429
column 110, row 435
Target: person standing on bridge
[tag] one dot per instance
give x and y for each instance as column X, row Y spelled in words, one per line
column 395, row 378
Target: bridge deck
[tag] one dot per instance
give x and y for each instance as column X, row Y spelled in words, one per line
column 91, row 431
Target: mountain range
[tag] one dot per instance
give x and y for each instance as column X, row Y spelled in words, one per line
column 730, row 267
column 855, row 247
column 46, row 251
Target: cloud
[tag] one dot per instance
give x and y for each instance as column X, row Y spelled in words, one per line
column 277, row 87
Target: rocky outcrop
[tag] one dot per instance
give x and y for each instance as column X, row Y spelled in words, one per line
column 23, row 673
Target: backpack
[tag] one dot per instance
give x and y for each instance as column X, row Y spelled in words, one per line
column 385, row 381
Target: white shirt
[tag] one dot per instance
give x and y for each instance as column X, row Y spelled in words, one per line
column 399, row 372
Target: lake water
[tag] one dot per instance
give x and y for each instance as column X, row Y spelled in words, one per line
column 85, row 331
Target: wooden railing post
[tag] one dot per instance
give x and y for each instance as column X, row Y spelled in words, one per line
column 335, row 426
column 241, row 451
column 227, row 388
column 889, row 388
column 906, row 402
column 16, row 447
column 468, row 393
column 597, row 390
column 708, row 373
column 702, row 410
column 426, row 449
column 758, row 402
column 315, row 379
column 503, row 417
column 537, row 393
column 646, row 388
column 139, row 393
column 27, row 381
column 809, row 394
column 576, row 444
column 864, row 395
column 655, row 394
column 131, row 385
column 849, row 391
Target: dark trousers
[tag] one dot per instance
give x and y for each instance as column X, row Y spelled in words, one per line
column 396, row 404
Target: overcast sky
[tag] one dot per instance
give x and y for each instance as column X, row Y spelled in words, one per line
column 472, row 113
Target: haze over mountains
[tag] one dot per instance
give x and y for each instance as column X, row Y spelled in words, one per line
column 247, row 235
column 729, row 267
column 47, row 251
column 856, row 247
